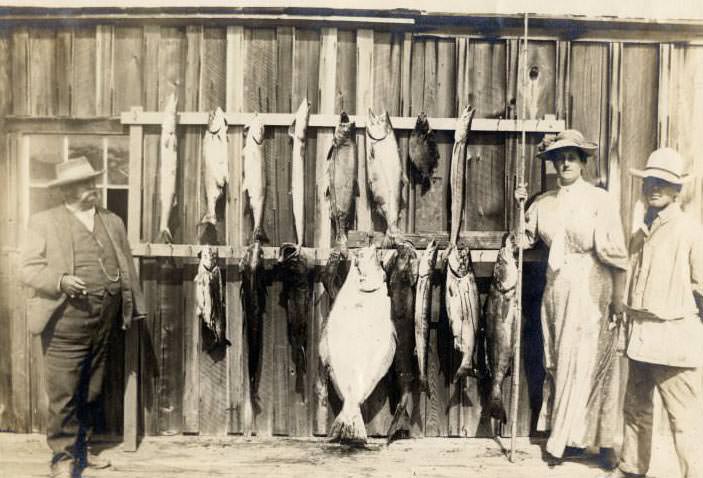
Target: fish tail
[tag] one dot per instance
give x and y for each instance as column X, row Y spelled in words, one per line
column 400, row 425
column 465, row 369
column 209, row 218
column 495, row 407
column 259, row 234
column 348, row 427
column 166, row 236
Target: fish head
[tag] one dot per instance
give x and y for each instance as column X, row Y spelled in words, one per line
column 428, row 259
column 371, row 275
column 463, row 124
column 344, row 130
column 505, row 272
column 376, row 126
column 255, row 129
column 421, row 124
column 403, row 266
column 300, row 123
column 216, row 121
column 459, row 260
column 208, row 257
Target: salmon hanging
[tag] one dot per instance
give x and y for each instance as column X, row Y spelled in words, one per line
column 295, row 297
column 254, row 173
column 342, row 186
column 253, row 297
column 422, row 150
column 297, row 132
column 423, row 303
column 215, row 169
column 168, row 167
column 210, row 298
column 385, row 174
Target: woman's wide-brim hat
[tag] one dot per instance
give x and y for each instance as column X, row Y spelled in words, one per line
column 569, row 138
column 665, row 164
column 73, row 171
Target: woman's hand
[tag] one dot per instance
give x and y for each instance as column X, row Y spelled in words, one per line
column 521, row 192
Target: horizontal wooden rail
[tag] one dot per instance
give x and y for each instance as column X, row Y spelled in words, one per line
column 547, row 125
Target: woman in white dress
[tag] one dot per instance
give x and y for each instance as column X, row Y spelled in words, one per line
column 581, row 226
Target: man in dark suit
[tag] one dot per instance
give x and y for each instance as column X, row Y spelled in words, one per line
column 78, row 263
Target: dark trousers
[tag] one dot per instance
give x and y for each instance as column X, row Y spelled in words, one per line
column 75, row 349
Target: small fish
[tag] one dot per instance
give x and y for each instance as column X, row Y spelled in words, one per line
column 402, row 271
column 295, row 297
column 297, row 132
column 341, row 175
column 500, row 320
column 215, row 169
column 423, row 303
column 457, row 173
column 209, row 296
column 253, row 297
column 463, row 307
column 422, row 149
column 168, row 168
column 358, row 343
column 254, row 173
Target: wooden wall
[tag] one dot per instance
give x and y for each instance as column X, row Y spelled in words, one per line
column 619, row 94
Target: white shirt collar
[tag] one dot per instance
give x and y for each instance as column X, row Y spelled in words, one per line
column 87, row 217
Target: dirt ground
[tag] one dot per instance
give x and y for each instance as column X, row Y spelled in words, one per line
column 199, row 457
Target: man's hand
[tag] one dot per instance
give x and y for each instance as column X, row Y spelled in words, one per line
column 73, row 286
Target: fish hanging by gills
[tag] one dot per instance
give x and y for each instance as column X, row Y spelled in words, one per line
column 210, row 298
column 423, row 303
column 295, row 297
column 402, row 270
column 297, row 132
column 457, row 174
column 500, row 316
column 168, row 167
column 358, row 343
column 422, row 150
column 341, row 175
column 385, row 174
column 463, row 306
column 253, row 297
column 254, row 173
column 215, row 169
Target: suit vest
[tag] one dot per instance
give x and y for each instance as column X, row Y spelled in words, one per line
column 94, row 259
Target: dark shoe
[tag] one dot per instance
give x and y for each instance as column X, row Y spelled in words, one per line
column 608, row 459
column 63, row 469
column 551, row 460
column 96, row 462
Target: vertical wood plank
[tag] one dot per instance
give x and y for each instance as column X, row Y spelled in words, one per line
column 189, row 214
column 104, row 69
column 64, row 69
column 42, row 71
column 237, row 369
column 416, row 106
column 665, row 50
column 588, row 85
column 129, row 65
column 615, row 102
column 83, row 81
column 20, row 71
column 364, row 100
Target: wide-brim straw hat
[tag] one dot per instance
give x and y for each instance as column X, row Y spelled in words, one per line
column 73, row 171
column 665, row 164
column 569, row 138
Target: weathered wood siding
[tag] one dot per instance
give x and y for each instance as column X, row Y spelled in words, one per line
column 621, row 95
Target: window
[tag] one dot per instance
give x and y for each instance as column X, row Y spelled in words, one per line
column 109, row 152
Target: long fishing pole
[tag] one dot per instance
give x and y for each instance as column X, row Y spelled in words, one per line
column 520, row 173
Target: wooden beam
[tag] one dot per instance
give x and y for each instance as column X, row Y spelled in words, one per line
column 546, row 125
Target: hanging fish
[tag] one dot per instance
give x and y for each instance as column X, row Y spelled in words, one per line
column 341, row 174
column 295, row 297
column 297, row 131
column 402, row 270
column 168, row 168
column 209, row 296
column 253, row 297
column 463, row 307
column 215, row 170
column 254, row 173
column 423, row 303
column 422, row 149
column 500, row 319
column 386, row 178
column 358, row 343
column 458, row 170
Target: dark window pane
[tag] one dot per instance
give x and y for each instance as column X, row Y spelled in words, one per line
column 117, row 203
column 117, row 159
column 43, row 198
column 89, row 146
column 45, row 151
